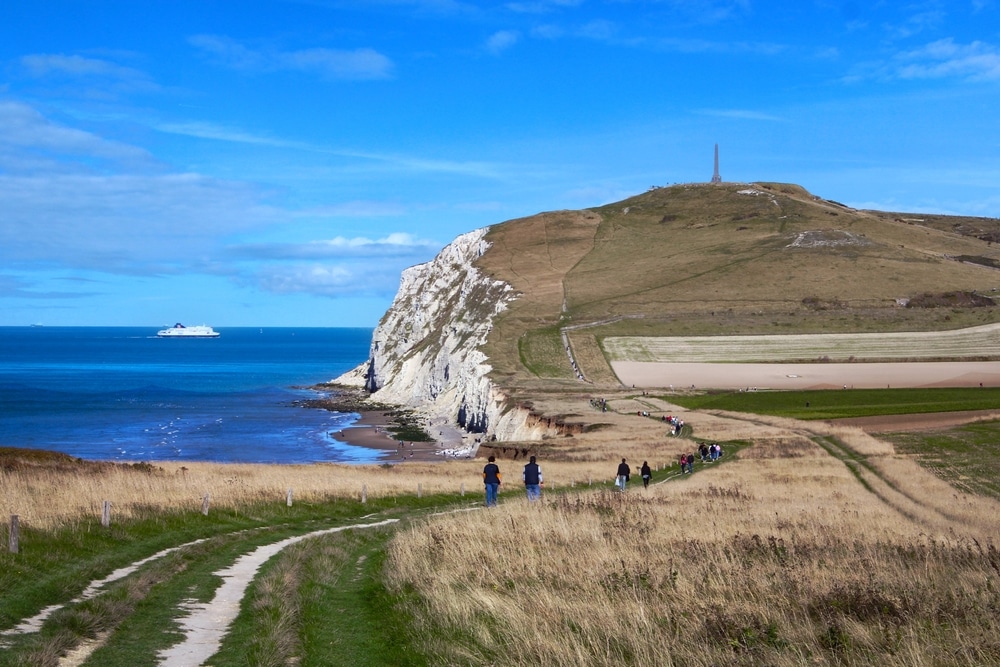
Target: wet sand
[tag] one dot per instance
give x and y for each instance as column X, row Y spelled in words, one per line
column 371, row 431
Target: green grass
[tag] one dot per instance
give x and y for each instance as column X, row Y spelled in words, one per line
column 139, row 610
column 542, row 352
column 967, row 457
column 839, row 403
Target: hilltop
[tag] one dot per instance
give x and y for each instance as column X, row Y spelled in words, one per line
column 729, row 259
column 491, row 323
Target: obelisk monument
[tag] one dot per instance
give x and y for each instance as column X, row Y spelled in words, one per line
column 715, row 175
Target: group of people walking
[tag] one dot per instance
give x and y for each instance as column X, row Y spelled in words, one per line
column 624, row 472
column 531, row 476
column 533, row 480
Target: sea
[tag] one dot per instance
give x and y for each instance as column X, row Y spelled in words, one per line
column 122, row 394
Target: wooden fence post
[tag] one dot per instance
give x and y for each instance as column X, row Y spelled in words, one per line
column 288, row 497
column 13, row 543
column 106, row 514
column 364, row 493
column 204, row 504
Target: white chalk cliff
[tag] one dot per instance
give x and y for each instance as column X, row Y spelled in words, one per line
column 426, row 351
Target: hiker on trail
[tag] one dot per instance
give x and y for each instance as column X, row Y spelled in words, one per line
column 646, row 474
column 491, row 478
column 623, row 474
column 532, row 476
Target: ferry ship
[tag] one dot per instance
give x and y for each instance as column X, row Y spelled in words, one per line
column 181, row 331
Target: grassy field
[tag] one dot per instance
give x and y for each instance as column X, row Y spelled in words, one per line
column 675, row 261
column 786, row 556
column 838, row 403
column 806, row 543
column 972, row 343
column 967, row 457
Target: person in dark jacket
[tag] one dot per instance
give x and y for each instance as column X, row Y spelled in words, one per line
column 491, row 478
column 646, row 473
column 623, row 474
column 533, row 481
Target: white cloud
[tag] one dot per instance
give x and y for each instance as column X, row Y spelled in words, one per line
column 976, row 61
column 398, row 244
column 81, row 68
column 744, row 114
column 541, row 6
column 354, row 64
column 502, row 40
column 392, row 161
column 131, row 224
column 23, row 128
column 331, row 280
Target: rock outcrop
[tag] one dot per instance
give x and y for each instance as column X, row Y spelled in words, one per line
column 426, row 351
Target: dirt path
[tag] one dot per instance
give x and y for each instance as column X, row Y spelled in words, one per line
column 207, row 623
column 34, row 624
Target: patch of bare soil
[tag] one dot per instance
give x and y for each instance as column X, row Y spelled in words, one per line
column 920, row 422
column 649, row 374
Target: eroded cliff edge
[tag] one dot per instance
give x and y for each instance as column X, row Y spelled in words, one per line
column 426, row 351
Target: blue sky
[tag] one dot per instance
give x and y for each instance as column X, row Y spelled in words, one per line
column 278, row 163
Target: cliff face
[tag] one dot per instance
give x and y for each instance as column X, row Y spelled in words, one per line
column 425, row 352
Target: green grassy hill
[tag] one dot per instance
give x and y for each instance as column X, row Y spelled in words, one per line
column 703, row 259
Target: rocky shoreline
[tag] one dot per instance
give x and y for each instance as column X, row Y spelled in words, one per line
column 400, row 433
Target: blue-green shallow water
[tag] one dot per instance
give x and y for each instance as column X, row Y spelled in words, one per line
column 120, row 393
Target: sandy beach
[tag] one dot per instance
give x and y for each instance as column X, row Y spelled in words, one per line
column 372, row 431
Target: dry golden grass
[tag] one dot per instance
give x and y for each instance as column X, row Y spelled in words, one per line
column 48, row 498
column 782, row 558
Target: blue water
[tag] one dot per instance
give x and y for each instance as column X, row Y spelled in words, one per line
column 122, row 394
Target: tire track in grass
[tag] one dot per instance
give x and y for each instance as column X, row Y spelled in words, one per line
column 207, row 623
column 34, row 624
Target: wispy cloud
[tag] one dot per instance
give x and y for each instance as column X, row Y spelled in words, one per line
column 915, row 24
column 394, row 161
column 330, row 280
column 734, row 47
column 743, row 114
column 344, row 64
column 976, row 61
column 15, row 287
column 502, row 40
column 117, row 78
column 25, row 129
column 394, row 245
column 541, row 6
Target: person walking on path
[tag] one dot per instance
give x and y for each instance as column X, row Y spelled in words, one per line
column 646, row 474
column 533, row 481
column 623, row 474
column 491, row 478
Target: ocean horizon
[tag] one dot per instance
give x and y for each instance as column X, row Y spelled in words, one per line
column 123, row 394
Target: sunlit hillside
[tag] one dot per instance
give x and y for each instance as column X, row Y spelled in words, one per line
column 703, row 259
